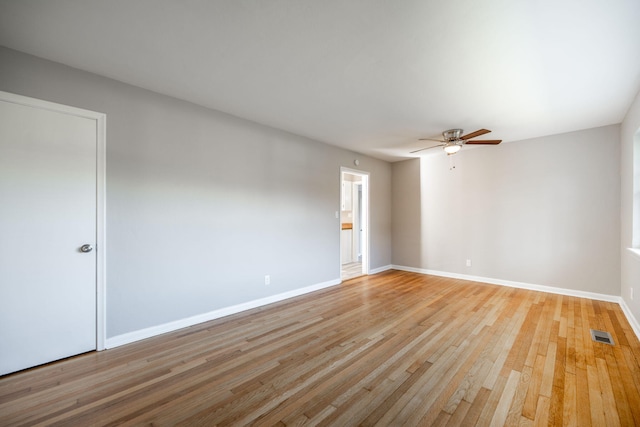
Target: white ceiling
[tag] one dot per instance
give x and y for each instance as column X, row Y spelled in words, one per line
column 372, row 76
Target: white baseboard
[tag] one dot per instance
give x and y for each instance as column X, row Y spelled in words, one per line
column 226, row 311
column 152, row 331
column 380, row 269
column 512, row 284
column 635, row 325
column 542, row 288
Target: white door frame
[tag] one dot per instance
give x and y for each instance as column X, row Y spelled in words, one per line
column 100, row 241
column 357, row 222
column 365, row 215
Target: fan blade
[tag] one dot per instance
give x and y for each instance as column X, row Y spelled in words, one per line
column 485, row 142
column 430, row 139
column 427, row 148
column 474, row 134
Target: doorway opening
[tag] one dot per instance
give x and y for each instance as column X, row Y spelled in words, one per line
column 354, row 223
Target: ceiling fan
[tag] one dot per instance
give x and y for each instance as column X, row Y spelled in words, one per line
column 454, row 140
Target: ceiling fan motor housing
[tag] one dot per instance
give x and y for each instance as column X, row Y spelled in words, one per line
column 453, row 140
column 452, row 134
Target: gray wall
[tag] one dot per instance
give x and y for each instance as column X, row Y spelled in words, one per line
column 201, row 205
column 406, row 226
column 543, row 211
column 630, row 265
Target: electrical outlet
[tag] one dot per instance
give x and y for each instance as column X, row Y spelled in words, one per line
column 468, row 263
column 267, row 280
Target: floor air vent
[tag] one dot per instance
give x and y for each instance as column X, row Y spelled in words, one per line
column 601, row 336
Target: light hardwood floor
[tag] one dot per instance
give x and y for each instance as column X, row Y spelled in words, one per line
column 351, row 270
column 394, row 349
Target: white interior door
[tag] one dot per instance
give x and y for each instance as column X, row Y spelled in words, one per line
column 47, row 213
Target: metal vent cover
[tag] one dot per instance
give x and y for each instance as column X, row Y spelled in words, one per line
column 601, row 336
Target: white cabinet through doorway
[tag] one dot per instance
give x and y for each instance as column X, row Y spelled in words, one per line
column 347, row 199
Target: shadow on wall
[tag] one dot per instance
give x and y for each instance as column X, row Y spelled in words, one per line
column 407, row 214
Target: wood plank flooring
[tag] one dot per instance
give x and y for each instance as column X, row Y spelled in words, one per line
column 394, row 349
column 351, row 270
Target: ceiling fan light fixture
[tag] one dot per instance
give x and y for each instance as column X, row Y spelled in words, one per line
column 452, row 148
column 453, row 140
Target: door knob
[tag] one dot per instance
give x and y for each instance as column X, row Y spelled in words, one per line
column 86, row 248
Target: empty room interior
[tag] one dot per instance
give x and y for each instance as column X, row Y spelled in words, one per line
column 319, row 213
